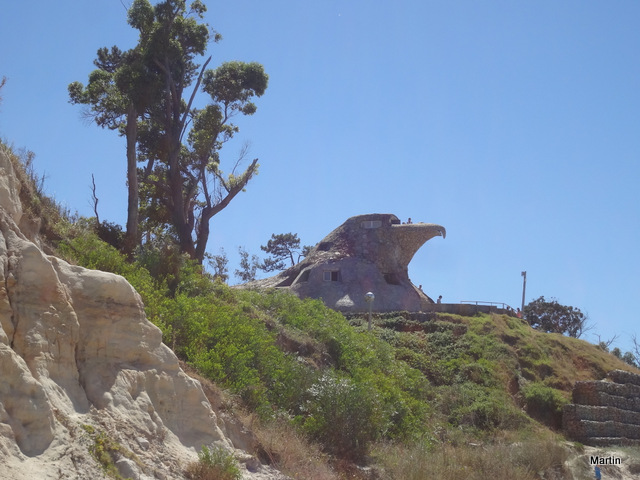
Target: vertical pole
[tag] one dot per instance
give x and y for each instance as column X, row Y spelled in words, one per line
column 524, row 287
column 369, row 297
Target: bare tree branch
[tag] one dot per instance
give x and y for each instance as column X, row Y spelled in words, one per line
column 636, row 348
column 193, row 95
column 605, row 344
column 94, row 199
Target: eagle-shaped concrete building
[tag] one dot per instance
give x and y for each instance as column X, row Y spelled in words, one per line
column 367, row 253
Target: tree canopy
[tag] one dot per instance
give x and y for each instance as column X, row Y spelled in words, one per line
column 147, row 94
column 248, row 266
column 282, row 247
column 118, row 92
column 551, row 316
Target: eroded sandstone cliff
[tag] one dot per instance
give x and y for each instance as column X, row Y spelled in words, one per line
column 77, row 355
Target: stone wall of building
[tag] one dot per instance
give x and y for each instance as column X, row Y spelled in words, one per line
column 605, row 412
column 366, row 254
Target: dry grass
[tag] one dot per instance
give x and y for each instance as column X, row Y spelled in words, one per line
column 218, row 398
column 526, row 460
column 292, row 453
column 557, row 360
column 42, row 214
column 276, row 442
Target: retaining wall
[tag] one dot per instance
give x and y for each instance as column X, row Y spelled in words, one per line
column 605, row 412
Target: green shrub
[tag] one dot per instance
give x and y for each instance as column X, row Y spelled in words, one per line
column 343, row 415
column 483, row 408
column 214, row 464
column 163, row 260
column 85, row 248
column 106, row 451
column 110, row 233
column 544, row 403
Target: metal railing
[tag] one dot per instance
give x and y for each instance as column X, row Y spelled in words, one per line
column 491, row 304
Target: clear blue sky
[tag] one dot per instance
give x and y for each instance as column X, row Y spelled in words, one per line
column 516, row 125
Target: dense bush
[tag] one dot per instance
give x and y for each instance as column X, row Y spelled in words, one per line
column 555, row 317
column 344, row 415
column 468, row 405
column 544, row 403
column 214, row 464
column 111, row 233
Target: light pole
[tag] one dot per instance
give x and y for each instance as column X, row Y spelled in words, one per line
column 369, row 297
column 524, row 287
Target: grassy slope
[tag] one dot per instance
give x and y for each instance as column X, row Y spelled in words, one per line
column 502, row 354
column 558, row 360
column 554, row 359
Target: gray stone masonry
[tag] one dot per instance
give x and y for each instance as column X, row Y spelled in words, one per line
column 605, row 412
column 622, row 377
column 367, row 253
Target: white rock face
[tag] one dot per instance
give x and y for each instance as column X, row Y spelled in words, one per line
column 9, row 188
column 76, row 349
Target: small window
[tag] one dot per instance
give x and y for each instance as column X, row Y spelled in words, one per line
column 372, row 224
column 331, row 275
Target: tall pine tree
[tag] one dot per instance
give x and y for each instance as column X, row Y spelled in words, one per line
column 155, row 83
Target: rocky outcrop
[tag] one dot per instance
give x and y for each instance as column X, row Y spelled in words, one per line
column 367, row 253
column 605, row 412
column 78, row 355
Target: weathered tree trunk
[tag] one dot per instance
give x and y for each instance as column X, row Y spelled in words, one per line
column 202, row 234
column 131, row 132
column 179, row 213
column 174, row 124
column 209, row 212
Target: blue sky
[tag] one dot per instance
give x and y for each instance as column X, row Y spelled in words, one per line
column 515, row 125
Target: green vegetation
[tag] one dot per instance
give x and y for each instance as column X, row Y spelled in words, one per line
column 450, row 389
column 107, row 451
column 214, row 464
column 544, row 403
column 405, row 381
column 234, row 338
column 280, row 248
column 554, row 317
